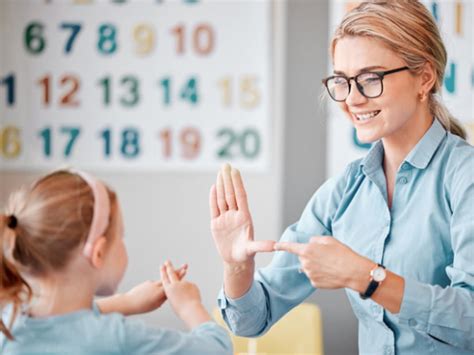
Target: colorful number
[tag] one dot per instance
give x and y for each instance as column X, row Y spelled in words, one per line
column 75, row 28
column 189, row 92
column 144, row 36
column 203, row 39
column 47, row 136
column 34, row 41
column 9, row 82
column 10, row 143
column 189, row 139
column 249, row 94
column 247, row 143
column 132, row 95
column 68, row 98
column 130, row 145
column 107, row 39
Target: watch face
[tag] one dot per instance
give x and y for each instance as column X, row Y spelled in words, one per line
column 379, row 274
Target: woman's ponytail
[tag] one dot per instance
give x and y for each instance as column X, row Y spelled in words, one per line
column 451, row 124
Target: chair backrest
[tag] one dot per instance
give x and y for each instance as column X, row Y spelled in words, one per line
column 298, row 332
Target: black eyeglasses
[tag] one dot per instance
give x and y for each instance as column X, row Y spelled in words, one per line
column 369, row 84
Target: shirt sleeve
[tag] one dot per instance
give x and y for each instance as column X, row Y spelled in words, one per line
column 280, row 286
column 207, row 338
column 447, row 314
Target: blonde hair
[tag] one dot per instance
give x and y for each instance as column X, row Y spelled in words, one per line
column 53, row 218
column 408, row 29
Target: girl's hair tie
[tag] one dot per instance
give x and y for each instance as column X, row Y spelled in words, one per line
column 12, row 221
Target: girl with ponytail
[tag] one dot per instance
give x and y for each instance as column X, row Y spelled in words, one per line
column 62, row 244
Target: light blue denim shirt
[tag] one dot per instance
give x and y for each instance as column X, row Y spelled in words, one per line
column 89, row 332
column 427, row 237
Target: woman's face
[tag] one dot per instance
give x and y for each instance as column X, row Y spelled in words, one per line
column 396, row 109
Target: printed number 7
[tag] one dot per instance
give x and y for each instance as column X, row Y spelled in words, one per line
column 75, row 29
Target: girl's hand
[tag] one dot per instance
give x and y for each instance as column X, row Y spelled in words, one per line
column 231, row 223
column 330, row 264
column 184, row 297
column 143, row 298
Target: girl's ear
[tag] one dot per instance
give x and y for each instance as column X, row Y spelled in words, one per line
column 98, row 252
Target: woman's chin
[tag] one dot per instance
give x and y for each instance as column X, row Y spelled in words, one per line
column 366, row 136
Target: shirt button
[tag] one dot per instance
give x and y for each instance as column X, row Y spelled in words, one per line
column 412, row 322
column 403, row 180
column 375, row 309
column 388, row 350
column 405, row 166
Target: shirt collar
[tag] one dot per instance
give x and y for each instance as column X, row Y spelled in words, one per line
column 419, row 156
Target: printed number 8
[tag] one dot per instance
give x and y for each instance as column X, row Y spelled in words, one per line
column 107, row 43
column 130, row 143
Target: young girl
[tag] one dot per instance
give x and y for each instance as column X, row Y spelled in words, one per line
column 396, row 229
column 62, row 244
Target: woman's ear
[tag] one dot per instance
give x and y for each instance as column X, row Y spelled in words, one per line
column 428, row 78
column 98, row 252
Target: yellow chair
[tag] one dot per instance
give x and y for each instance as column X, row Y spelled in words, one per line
column 298, row 332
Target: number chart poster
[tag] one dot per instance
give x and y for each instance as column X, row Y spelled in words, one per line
column 454, row 18
column 135, row 84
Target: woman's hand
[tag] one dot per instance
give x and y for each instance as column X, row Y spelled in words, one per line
column 330, row 264
column 143, row 298
column 184, row 297
column 231, row 223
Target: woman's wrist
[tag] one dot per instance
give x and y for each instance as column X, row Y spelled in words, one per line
column 359, row 277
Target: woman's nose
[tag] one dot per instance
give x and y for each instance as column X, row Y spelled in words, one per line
column 355, row 97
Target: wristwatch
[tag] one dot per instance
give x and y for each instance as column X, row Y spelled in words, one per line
column 377, row 275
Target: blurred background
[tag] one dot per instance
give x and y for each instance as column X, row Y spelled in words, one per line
column 154, row 96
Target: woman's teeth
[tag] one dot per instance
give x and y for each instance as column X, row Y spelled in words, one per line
column 366, row 116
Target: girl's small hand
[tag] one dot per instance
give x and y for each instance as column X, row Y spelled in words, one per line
column 183, row 296
column 149, row 295
column 330, row 264
column 145, row 297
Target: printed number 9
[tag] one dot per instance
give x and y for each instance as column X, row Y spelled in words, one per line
column 144, row 36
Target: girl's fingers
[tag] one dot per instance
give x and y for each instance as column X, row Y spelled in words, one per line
column 213, row 202
column 164, row 275
column 228, row 187
column 182, row 271
column 170, row 272
column 221, row 203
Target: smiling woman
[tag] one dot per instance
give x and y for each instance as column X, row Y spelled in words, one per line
column 396, row 228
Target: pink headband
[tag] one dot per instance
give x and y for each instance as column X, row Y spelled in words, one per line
column 101, row 214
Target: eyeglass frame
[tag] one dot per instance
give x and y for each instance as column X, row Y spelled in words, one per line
column 380, row 74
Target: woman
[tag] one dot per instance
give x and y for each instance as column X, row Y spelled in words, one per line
column 396, row 229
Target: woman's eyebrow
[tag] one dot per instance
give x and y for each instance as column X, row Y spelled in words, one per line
column 363, row 70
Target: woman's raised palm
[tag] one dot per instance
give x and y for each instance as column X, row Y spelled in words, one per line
column 231, row 223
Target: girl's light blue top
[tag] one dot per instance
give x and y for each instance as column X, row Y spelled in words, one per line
column 89, row 332
column 427, row 237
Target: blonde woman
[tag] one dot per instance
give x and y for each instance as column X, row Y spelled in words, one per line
column 396, row 229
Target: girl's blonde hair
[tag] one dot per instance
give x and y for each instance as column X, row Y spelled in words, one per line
column 408, row 29
column 53, row 218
